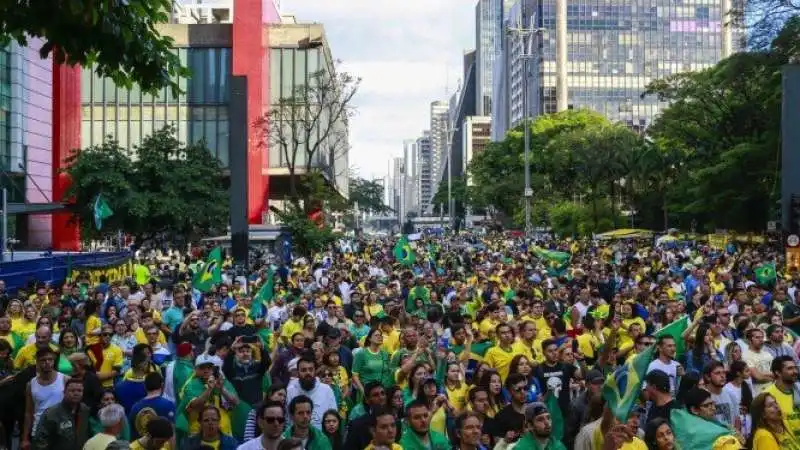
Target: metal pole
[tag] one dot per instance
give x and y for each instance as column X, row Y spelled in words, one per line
column 5, row 226
column 528, row 191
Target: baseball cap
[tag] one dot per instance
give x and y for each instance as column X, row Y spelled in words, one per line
column 658, row 379
column 535, row 409
column 594, row 376
column 204, row 359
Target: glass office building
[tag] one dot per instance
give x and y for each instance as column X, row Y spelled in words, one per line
column 129, row 115
column 5, row 108
column 616, row 47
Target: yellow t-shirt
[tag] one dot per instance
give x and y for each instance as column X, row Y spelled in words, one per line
column 93, row 325
column 791, row 415
column 136, row 445
column 391, row 341
column 764, row 439
column 27, row 356
column 500, row 359
column 587, row 344
column 289, row 328
column 112, row 358
column 141, row 338
column 487, row 327
column 395, row 446
column 458, row 396
column 212, row 444
column 374, row 310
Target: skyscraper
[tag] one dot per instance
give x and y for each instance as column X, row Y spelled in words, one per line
column 439, row 140
column 425, row 155
column 613, row 51
column 411, row 178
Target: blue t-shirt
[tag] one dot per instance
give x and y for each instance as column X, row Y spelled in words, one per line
column 172, row 317
column 147, row 408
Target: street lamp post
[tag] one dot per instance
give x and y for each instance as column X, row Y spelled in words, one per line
column 526, row 35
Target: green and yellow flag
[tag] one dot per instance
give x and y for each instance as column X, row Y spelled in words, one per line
column 264, row 295
column 694, row 432
column 557, row 262
column 621, row 389
column 211, row 272
column 403, row 252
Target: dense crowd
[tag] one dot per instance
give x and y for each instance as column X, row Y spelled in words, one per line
column 474, row 343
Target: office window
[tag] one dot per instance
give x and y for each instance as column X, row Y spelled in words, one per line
column 287, row 75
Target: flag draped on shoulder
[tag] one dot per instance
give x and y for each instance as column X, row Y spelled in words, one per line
column 621, row 389
column 211, row 272
column 693, row 432
column 556, row 417
column 403, row 252
column 101, row 211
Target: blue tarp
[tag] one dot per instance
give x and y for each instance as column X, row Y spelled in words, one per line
column 53, row 269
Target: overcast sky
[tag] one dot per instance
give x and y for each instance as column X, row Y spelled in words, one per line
column 406, row 53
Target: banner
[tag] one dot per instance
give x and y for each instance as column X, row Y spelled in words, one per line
column 113, row 272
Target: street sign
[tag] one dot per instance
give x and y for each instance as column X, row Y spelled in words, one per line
column 793, row 240
column 528, row 192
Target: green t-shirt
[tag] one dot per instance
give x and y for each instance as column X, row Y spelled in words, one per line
column 371, row 366
column 436, row 441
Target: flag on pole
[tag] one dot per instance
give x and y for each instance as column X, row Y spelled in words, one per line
column 211, row 272
column 403, row 252
column 101, row 211
column 622, row 388
column 557, row 262
column 263, row 296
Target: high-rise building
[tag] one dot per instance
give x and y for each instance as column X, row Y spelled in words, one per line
column 613, row 51
column 440, row 127
column 398, row 190
column 411, row 176
column 425, row 155
column 476, row 131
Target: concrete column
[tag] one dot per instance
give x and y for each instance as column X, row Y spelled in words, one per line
column 561, row 55
column 727, row 34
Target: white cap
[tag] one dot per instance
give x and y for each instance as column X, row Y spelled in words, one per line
column 293, row 364
column 205, row 358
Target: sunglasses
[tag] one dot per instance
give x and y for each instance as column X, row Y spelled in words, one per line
column 274, row 419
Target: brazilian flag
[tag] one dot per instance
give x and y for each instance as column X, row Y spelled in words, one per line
column 693, row 431
column 211, row 272
column 557, row 262
column 233, row 423
column 263, row 296
column 766, row 275
column 403, row 252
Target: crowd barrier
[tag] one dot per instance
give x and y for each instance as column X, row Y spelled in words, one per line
column 57, row 268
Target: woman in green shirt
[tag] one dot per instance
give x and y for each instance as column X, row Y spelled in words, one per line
column 372, row 362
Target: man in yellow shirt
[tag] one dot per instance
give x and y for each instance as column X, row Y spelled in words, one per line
column 294, row 324
column 784, row 370
column 145, row 322
column 111, row 358
column 27, row 355
column 499, row 357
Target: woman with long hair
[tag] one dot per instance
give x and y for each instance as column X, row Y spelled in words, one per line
column 68, row 344
column 522, row 365
column 333, row 429
column 454, row 386
column 419, row 373
column 372, row 362
column 771, row 432
column 658, row 435
column 704, row 351
column 733, row 353
column 491, row 381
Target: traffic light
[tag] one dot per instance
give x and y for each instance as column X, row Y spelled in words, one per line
column 794, row 214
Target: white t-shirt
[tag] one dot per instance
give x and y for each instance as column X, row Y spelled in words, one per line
column 761, row 361
column 670, row 369
column 725, row 407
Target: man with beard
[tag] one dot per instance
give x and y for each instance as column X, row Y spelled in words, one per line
column 308, row 385
column 65, row 425
column 301, row 411
column 244, row 371
column 271, row 417
column 360, row 418
column 419, row 435
column 538, row 426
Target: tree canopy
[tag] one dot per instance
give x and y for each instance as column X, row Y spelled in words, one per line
column 161, row 189
column 710, row 158
column 118, row 38
column 368, row 195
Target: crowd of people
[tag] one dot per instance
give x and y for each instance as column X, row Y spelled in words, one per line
column 475, row 343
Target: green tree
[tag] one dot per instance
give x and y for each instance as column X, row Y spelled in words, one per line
column 458, row 193
column 726, row 121
column 308, row 237
column 163, row 189
column 118, row 38
column 368, row 195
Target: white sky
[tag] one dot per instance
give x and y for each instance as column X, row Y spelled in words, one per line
column 406, row 52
